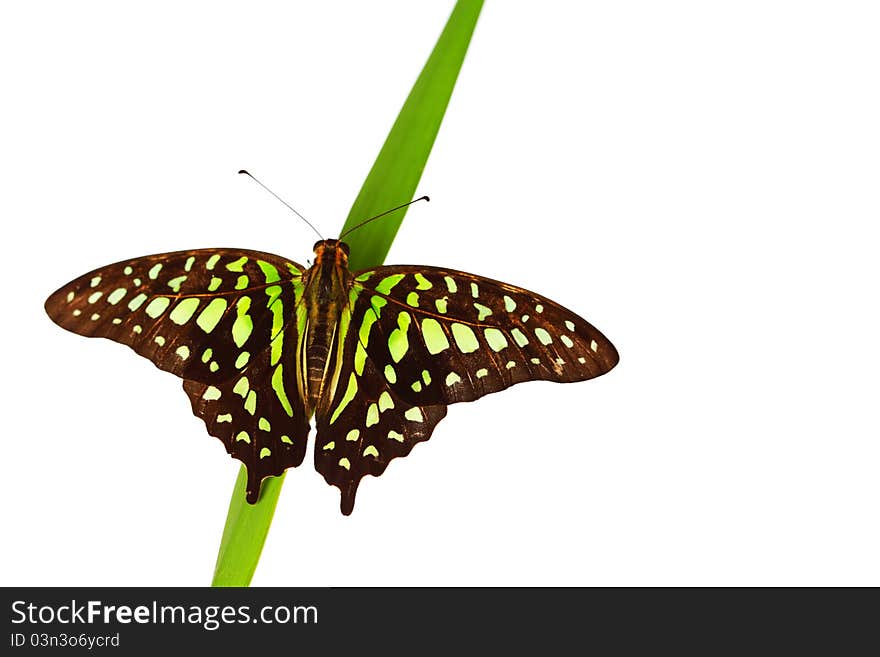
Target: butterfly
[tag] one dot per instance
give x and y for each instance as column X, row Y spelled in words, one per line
column 263, row 344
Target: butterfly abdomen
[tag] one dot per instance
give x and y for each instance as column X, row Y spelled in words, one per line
column 326, row 290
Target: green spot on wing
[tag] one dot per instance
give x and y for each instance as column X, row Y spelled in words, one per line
column 137, row 302
column 360, row 359
column 387, row 284
column 250, row 404
column 543, row 337
column 269, row 271
column 243, row 325
column 520, row 337
column 372, row 415
column 211, row 315
column 184, row 310
column 495, row 338
column 157, row 306
column 369, row 319
column 385, row 401
column 176, row 282
column 278, row 387
column 241, row 329
column 241, row 387
column 237, row 265
column 435, row 338
column 211, row 393
column 398, row 342
column 465, row 338
column 277, row 306
column 482, row 311
column 346, row 398
column 116, row 295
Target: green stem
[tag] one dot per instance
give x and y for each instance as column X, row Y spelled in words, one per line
column 245, row 532
column 391, row 181
column 399, row 165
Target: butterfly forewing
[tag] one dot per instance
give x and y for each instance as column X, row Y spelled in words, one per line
column 198, row 314
column 447, row 336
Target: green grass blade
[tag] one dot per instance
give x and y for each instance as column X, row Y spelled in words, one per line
column 245, row 531
column 391, row 181
column 398, row 168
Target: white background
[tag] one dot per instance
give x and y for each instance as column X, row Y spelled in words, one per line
column 699, row 180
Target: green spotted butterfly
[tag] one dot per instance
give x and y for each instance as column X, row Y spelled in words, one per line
column 263, row 343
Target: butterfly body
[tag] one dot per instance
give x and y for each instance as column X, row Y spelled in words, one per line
column 326, row 285
column 264, row 344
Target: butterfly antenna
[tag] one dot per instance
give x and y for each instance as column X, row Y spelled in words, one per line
column 366, row 221
column 247, row 173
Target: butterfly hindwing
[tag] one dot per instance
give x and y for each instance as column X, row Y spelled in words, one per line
column 198, row 314
column 448, row 336
column 365, row 423
column 258, row 414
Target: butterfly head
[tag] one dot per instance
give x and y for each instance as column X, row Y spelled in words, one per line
column 331, row 251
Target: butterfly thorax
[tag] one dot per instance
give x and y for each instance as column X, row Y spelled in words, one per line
column 326, row 290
